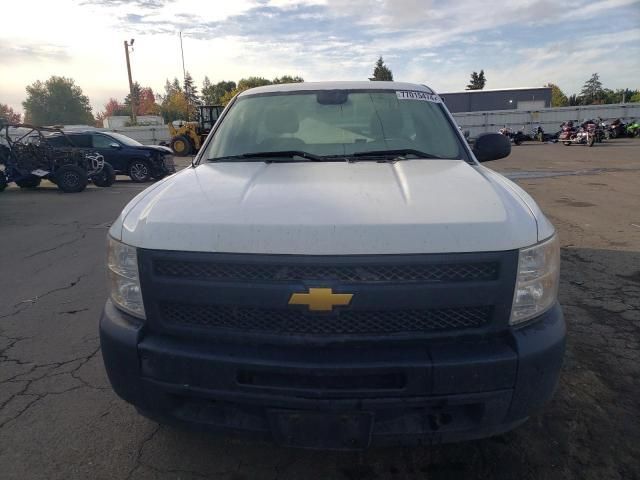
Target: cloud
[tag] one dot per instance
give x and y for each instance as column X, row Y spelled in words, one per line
column 146, row 4
column 31, row 52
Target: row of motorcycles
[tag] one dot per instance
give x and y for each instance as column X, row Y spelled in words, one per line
column 597, row 130
column 588, row 132
column 519, row 136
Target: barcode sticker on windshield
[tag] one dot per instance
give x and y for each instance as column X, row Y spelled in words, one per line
column 417, row 95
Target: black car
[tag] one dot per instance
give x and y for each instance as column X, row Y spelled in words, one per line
column 127, row 156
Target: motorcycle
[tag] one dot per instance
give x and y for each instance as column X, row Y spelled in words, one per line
column 603, row 130
column 617, row 128
column 516, row 137
column 585, row 135
column 538, row 134
column 633, row 129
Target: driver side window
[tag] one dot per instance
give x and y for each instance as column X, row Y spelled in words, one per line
column 102, row 141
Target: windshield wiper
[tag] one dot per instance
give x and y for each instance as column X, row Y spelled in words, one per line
column 397, row 154
column 281, row 153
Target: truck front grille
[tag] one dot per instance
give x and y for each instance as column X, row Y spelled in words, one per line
column 462, row 272
column 350, row 322
column 237, row 296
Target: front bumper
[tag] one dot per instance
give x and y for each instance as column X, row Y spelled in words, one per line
column 342, row 396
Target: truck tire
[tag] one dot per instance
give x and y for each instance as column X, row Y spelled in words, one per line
column 3, row 181
column 106, row 177
column 181, row 146
column 71, row 178
column 29, row 182
column 139, row 171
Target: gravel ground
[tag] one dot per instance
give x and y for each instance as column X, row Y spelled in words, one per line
column 59, row 418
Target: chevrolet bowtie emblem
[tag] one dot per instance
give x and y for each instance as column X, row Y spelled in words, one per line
column 320, row 299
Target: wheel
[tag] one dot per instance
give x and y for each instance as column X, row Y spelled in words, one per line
column 517, row 140
column 181, row 146
column 139, row 171
column 106, row 177
column 566, row 143
column 71, row 178
column 29, row 182
column 3, row 181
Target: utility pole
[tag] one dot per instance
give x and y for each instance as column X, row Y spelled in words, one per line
column 184, row 78
column 131, row 96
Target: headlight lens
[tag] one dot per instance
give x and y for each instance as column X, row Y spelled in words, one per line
column 124, row 281
column 537, row 282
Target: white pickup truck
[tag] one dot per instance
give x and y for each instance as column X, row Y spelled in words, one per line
column 335, row 270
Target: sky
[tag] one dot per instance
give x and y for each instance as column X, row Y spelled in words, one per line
column 518, row 43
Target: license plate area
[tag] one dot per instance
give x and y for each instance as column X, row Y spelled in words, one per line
column 320, row 430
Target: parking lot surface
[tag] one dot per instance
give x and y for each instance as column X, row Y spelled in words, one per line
column 59, row 418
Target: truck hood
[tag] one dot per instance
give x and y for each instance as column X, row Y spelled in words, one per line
column 330, row 208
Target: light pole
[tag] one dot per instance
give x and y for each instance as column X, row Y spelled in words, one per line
column 131, row 96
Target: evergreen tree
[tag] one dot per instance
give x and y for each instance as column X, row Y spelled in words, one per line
column 381, row 72
column 478, row 81
column 592, row 91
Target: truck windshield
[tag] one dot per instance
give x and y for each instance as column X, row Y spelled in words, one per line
column 335, row 124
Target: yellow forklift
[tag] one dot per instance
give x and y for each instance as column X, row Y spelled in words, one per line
column 187, row 137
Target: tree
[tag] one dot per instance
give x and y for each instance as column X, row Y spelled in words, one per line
column 191, row 93
column 174, row 107
column 113, row 108
column 136, row 90
column 9, row 114
column 635, row 97
column 190, row 89
column 212, row 94
column 244, row 84
column 478, row 81
column 147, row 103
column 175, row 85
column 619, row 95
column 592, row 91
column 381, row 72
column 574, row 100
column 57, row 101
column 287, row 79
column 558, row 98
column 252, row 82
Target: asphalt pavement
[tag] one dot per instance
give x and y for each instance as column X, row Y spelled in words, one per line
column 59, row 418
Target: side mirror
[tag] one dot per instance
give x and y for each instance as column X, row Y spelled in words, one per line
column 114, row 145
column 491, row 146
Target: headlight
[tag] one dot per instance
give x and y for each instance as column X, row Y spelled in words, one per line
column 124, row 281
column 537, row 282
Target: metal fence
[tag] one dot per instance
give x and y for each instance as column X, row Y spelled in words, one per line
column 549, row 118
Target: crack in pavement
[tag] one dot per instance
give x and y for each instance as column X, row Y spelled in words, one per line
column 24, row 391
column 138, row 461
column 30, row 301
column 63, row 244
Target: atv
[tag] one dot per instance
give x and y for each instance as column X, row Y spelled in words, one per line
column 28, row 158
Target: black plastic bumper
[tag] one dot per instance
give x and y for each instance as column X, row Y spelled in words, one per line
column 342, row 397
